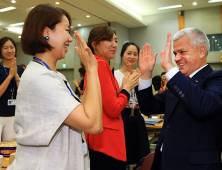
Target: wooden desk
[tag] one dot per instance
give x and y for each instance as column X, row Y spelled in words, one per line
column 156, row 126
column 5, row 163
column 5, row 160
column 153, row 131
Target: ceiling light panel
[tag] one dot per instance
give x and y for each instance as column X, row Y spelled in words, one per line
column 15, row 30
column 16, row 24
column 212, row 1
column 123, row 6
column 7, row 9
column 170, row 7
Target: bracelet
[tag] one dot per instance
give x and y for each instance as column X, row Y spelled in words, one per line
column 17, row 80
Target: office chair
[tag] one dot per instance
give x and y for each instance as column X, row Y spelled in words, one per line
column 147, row 162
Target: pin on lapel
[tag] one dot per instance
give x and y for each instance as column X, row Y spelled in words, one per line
column 196, row 81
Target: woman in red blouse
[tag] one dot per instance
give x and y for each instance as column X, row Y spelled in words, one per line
column 107, row 149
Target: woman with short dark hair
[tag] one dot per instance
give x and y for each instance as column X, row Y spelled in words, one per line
column 49, row 117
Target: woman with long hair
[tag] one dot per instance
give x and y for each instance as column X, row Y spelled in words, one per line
column 137, row 144
column 107, row 149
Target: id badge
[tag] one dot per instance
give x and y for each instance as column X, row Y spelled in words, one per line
column 11, row 102
column 84, row 148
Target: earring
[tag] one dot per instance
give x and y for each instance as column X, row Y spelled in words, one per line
column 47, row 37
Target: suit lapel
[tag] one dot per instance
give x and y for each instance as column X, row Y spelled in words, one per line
column 198, row 78
column 201, row 75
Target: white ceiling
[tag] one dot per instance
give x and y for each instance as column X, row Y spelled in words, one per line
column 101, row 11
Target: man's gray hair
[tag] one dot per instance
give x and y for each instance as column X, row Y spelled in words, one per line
column 197, row 37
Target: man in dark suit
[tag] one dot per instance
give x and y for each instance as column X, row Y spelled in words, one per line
column 191, row 137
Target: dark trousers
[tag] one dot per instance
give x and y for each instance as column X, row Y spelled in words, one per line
column 160, row 162
column 101, row 161
column 137, row 143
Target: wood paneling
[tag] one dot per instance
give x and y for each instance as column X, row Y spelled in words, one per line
column 181, row 19
column 221, row 17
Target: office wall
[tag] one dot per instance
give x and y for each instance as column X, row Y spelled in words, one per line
column 84, row 32
column 155, row 34
column 206, row 19
column 122, row 36
column 72, row 60
column 216, row 66
column 22, row 58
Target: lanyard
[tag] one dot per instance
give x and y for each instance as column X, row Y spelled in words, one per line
column 71, row 92
column 42, row 62
column 10, row 85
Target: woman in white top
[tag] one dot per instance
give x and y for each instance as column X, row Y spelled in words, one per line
column 49, row 117
column 137, row 144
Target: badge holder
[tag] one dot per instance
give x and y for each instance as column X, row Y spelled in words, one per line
column 11, row 102
column 84, row 147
